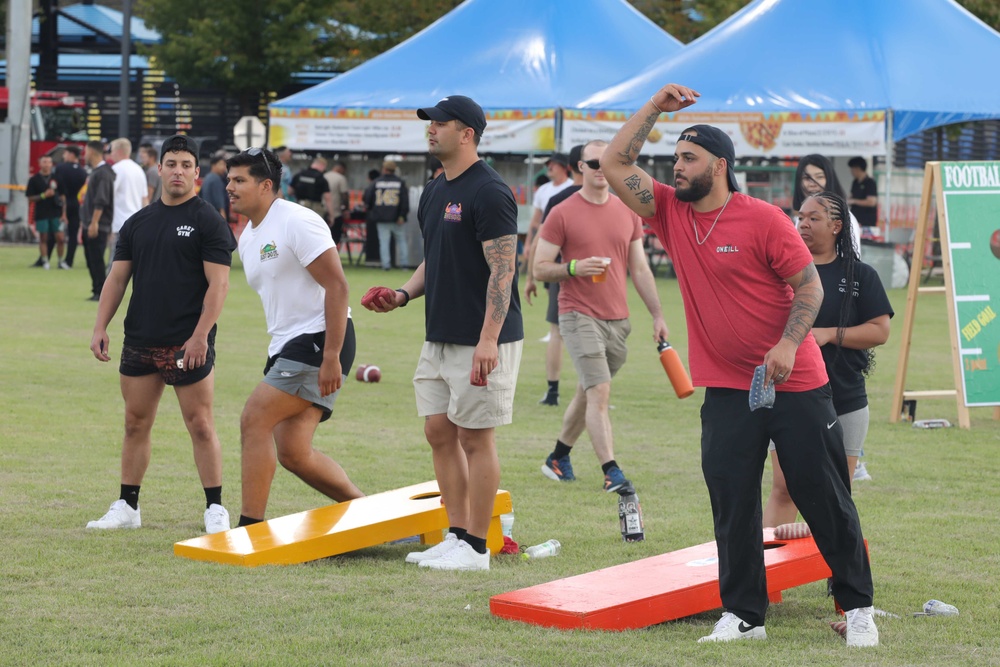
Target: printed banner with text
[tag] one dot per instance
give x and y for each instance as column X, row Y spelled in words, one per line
column 753, row 134
column 399, row 130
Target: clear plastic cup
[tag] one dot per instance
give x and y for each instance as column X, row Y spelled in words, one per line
column 603, row 275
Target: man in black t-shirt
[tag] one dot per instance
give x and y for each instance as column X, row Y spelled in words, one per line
column 864, row 194
column 43, row 189
column 474, row 332
column 388, row 203
column 177, row 252
column 311, row 189
column 71, row 176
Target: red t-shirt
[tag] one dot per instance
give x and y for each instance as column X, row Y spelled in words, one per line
column 582, row 229
column 735, row 297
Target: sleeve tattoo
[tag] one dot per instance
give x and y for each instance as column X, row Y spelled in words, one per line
column 805, row 306
column 500, row 254
column 631, row 153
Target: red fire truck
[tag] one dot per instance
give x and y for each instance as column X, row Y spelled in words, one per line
column 57, row 119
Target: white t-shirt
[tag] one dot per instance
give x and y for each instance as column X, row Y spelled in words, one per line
column 275, row 255
column 544, row 193
column 130, row 188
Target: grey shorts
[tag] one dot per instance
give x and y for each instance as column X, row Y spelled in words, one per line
column 552, row 314
column 302, row 380
column 855, row 425
column 442, row 386
column 597, row 347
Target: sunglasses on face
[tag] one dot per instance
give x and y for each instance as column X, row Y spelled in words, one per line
column 593, row 164
column 254, row 152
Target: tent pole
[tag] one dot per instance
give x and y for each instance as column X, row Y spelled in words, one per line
column 890, row 157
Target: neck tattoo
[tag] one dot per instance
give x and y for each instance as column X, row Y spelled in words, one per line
column 694, row 223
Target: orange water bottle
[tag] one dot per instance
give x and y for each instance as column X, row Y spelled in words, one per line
column 674, row 367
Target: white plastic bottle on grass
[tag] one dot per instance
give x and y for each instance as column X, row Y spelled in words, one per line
column 543, row 550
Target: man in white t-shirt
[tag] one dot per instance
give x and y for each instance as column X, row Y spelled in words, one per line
column 292, row 263
column 131, row 189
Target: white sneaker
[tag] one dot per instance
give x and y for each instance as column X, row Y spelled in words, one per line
column 861, row 630
column 64, row 266
column 216, row 519
column 460, row 557
column 119, row 516
column 861, row 473
column 546, row 338
column 731, row 627
column 45, row 265
column 436, row 551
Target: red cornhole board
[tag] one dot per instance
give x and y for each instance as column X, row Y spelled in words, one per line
column 654, row 590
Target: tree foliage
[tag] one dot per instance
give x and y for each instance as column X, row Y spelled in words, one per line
column 242, row 47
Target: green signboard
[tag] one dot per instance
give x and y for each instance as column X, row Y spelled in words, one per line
column 970, row 194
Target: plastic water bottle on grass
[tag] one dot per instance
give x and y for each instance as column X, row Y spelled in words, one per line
column 543, row 550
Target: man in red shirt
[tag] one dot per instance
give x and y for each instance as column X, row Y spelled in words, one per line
column 751, row 293
column 598, row 238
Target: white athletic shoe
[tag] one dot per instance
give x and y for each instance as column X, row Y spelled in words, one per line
column 861, row 473
column 119, row 516
column 436, row 551
column 216, row 519
column 460, row 557
column 861, row 630
column 731, row 627
column 64, row 266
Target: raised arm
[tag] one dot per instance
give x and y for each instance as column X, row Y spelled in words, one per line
column 629, row 181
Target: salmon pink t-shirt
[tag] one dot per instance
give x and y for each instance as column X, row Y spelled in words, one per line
column 583, row 229
column 736, row 300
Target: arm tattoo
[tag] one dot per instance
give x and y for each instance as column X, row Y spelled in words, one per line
column 644, row 197
column 500, row 254
column 633, row 182
column 631, row 153
column 805, row 306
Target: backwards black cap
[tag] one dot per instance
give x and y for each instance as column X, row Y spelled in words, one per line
column 456, row 107
column 178, row 143
column 716, row 142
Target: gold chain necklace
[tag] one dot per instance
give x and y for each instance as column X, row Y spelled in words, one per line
column 694, row 223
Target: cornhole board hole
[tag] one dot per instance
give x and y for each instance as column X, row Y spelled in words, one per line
column 337, row 529
column 654, row 590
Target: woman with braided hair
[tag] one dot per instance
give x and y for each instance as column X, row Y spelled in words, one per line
column 853, row 318
column 815, row 174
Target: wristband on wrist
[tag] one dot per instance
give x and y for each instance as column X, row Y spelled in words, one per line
column 406, row 294
column 654, row 105
column 571, row 267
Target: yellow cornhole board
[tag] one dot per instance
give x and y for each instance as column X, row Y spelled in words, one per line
column 337, row 529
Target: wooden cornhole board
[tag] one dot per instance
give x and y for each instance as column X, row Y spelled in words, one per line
column 337, row 529
column 654, row 590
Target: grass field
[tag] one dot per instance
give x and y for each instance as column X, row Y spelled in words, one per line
column 74, row 597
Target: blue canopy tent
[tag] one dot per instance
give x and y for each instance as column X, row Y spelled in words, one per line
column 838, row 77
column 522, row 60
column 85, row 26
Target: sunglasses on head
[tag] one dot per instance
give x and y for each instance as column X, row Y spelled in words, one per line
column 593, row 164
column 254, row 152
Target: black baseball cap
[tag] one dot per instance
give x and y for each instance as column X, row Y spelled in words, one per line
column 558, row 158
column 456, row 107
column 716, row 142
column 178, row 143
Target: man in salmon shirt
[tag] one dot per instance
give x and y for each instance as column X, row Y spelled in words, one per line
column 751, row 293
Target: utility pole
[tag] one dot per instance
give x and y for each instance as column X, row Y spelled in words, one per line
column 123, row 83
column 18, row 122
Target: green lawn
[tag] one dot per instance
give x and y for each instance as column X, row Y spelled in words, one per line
column 69, row 596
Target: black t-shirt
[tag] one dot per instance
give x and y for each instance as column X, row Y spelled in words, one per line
column 71, row 177
column 861, row 190
column 456, row 218
column 167, row 246
column 310, row 185
column 387, row 199
column 50, row 207
column 870, row 301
